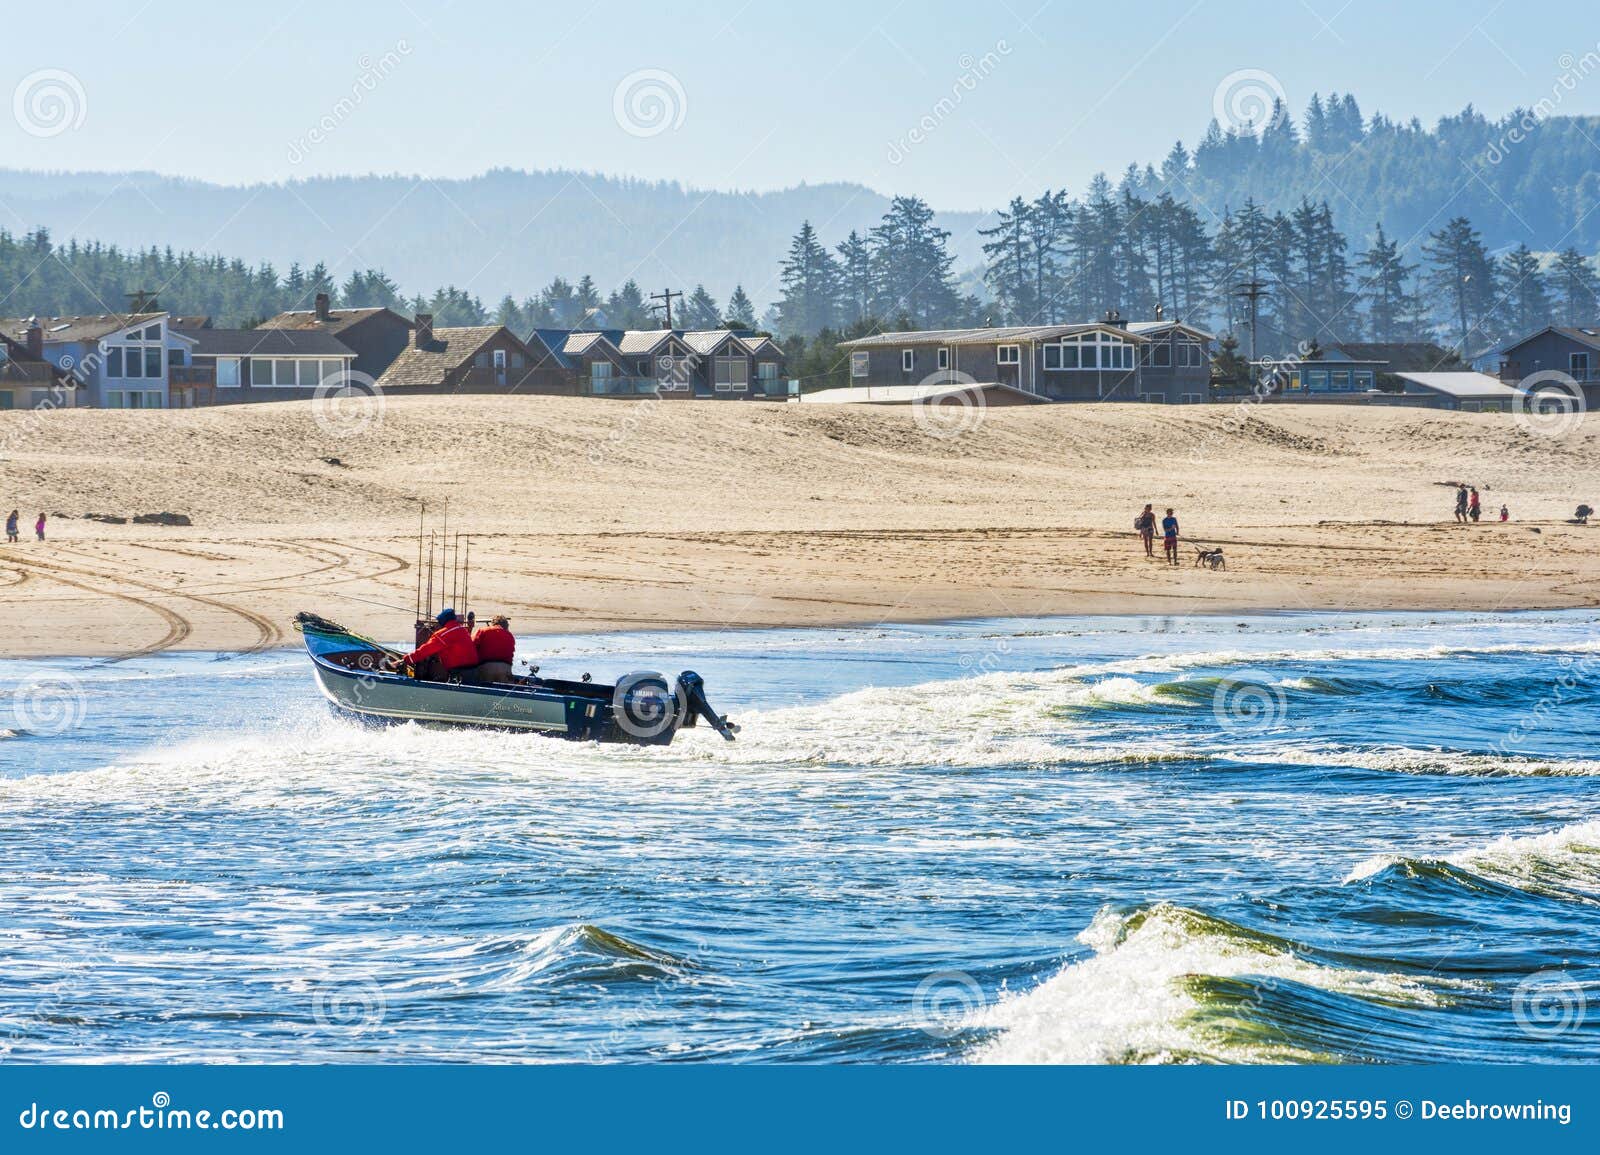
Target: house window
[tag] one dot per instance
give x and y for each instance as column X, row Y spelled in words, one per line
column 1008, row 355
column 1363, row 378
column 500, row 360
column 644, row 366
column 260, row 371
column 732, row 375
column 1161, row 355
column 1579, row 364
column 859, row 364
column 767, row 371
column 1191, row 355
column 152, row 362
column 908, row 360
column 114, row 363
column 227, row 372
column 153, row 333
column 600, row 369
column 284, row 372
column 1316, row 378
column 944, row 358
column 1341, row 380
column 1052, row 356
column 132, row 363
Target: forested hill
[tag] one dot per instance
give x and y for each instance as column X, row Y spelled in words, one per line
column 511, row 232
column 1537, row 186
column 502, row 232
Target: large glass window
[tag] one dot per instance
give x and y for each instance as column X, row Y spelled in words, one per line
column 859, row 363
column 1161, row 355
column 284, row 372
column 1053, row 355
column 152, row 362
column 153, row 333
column 227, row 372
column 732, row 375
column 260, row 371
column 1008, row 355
column 132, row 363
column 114, row 362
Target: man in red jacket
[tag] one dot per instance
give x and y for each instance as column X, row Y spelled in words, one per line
column 497, row 646
column 448, row 650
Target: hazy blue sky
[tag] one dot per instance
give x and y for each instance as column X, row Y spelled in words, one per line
column 759, row 96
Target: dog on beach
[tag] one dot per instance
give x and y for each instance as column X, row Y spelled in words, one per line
column 1210, row 558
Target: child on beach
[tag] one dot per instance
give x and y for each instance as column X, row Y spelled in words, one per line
column 11, row 526
column 1505, row 513
column 1473, row 509
column 1169, row 536
column 38, row 527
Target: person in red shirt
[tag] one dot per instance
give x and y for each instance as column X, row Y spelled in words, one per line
column 448, row 650
column 497, row 646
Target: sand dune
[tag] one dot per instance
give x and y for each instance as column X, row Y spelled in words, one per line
column 590, row 515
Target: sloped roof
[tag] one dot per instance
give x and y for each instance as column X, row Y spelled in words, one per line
column 266, row 343
column 706, row 340
column 84, row 328
column 1463, row 386
column 448, row 351
column 338, row 319
column 1149, row 328
column 1410, row 356
column 988, row 336
column 640, row 341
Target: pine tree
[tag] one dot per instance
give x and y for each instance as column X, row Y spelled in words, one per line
column 911, row 266
column 810, row 278
column 700, row 311
column 855, row 279
column 1525, row 298
column 1460, row 272
column 1389, row 307
column 1577, row 289
column 741, row 311
column 1009, row 268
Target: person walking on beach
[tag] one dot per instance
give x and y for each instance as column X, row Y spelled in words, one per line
column 11, row 526
column 1505, row 513
column 38, row 527
column 1169, row 536
column 1461, row 504
column 1473, row 509
column 1145, row 523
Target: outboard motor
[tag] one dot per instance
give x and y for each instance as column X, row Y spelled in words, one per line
column 692, row 689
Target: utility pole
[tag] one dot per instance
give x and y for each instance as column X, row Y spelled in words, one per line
column 665, row 297
column 142, row 301
column 1252, row 291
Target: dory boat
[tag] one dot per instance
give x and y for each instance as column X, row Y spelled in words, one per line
column 642, row 708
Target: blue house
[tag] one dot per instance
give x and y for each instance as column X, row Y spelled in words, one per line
column 1573, row 350
column 121, row 361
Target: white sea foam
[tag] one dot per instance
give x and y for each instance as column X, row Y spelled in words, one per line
column 1564, row 862
column 1129, row 1001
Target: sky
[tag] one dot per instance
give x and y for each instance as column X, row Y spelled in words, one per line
column 966, row 104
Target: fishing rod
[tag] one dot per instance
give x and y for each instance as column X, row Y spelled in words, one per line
column 422, row 515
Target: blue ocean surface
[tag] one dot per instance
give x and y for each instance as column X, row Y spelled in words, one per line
column 1297, row 838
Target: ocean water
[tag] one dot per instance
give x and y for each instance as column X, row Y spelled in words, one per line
column 1293, row 838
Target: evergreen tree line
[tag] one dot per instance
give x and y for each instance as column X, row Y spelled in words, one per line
column 40, row 278
column 1056, row 260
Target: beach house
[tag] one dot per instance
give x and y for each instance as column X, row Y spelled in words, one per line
column 471, row 359
column 1572, row 350
column 375, row 335
column 27, row 380
column 242, row 365
column 120, row 360
column 1109, row 360
column 673, row 364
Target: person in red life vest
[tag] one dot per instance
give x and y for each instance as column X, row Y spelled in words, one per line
column 448, row 650
column 497, row 646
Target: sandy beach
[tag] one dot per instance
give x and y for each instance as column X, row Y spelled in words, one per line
column 588, row 515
